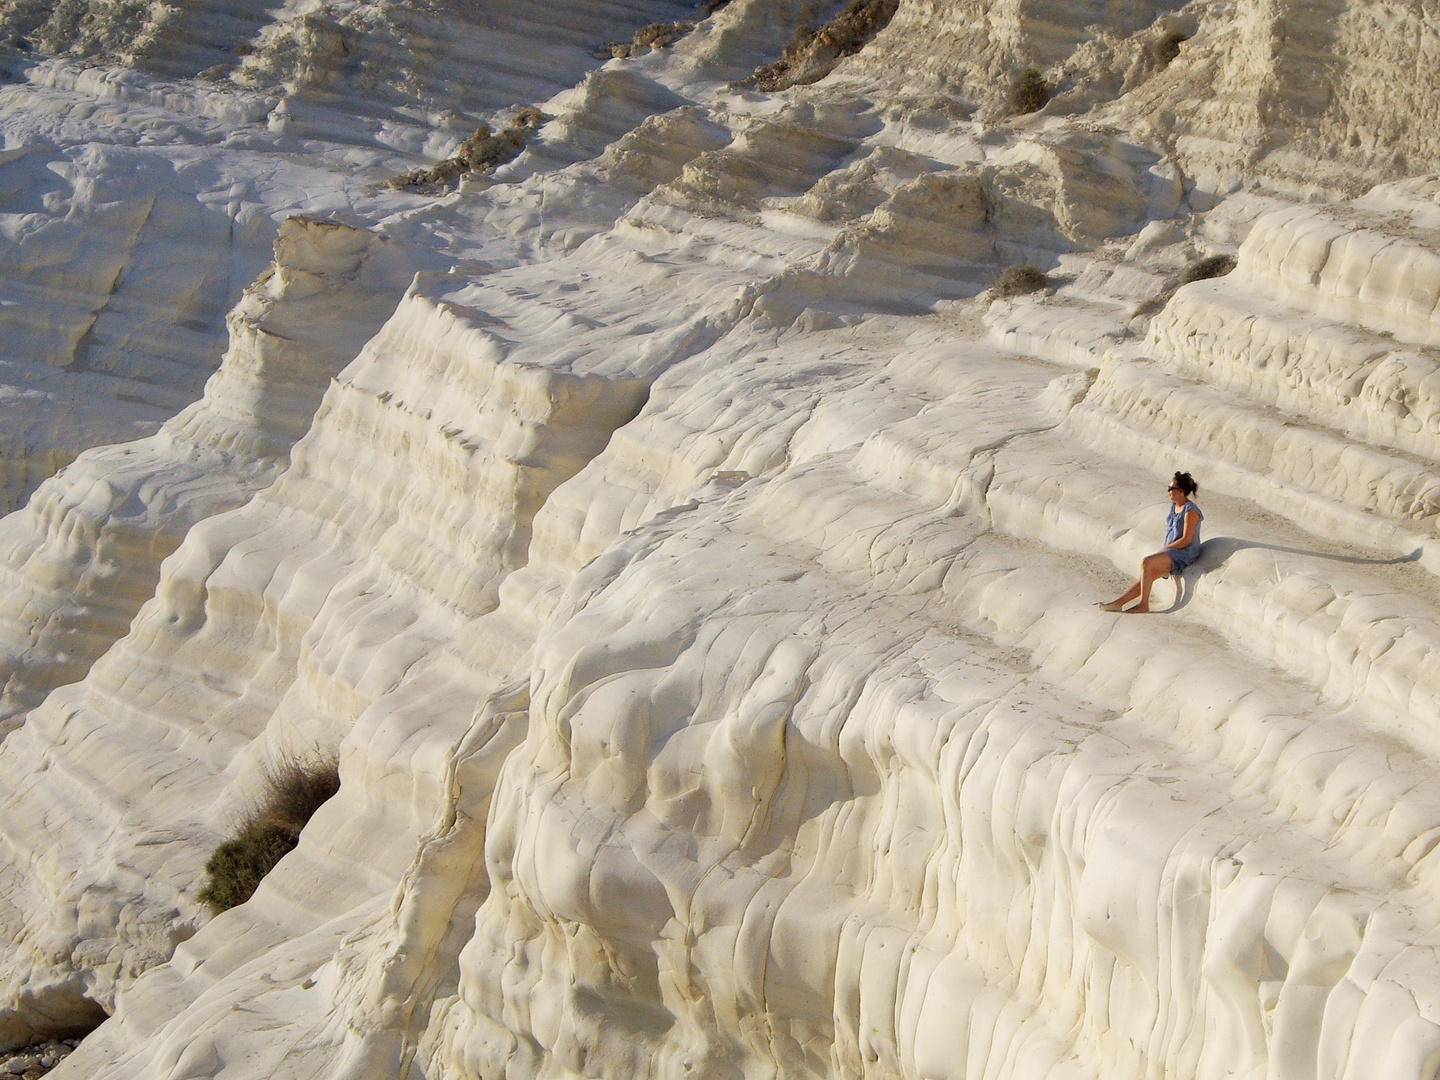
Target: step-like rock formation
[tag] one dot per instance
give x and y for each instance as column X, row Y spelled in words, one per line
column 83, row 555
column 113, row 301
column 133, row 211
column 693, row 566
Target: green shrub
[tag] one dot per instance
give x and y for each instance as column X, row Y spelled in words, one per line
column 269, row 830
column 1030, row 92
column 1018, row 281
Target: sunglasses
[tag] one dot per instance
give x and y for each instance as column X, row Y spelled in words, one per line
column 1174, row 489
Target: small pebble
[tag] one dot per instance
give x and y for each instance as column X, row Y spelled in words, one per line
column 37, row 1060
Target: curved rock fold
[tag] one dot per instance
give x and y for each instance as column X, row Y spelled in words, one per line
column 691, row 558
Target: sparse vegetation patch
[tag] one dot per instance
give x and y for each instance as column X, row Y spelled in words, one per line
column 661, row 35
column 483, row 152
column 654, row 36
column 1030, row 93
column 269, row 830
column 1019, row 281
column 814, row 53
column 1211, row 266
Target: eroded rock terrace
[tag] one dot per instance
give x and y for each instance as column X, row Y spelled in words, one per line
column 691, row 560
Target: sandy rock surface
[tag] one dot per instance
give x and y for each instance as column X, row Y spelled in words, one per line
column 689, row 548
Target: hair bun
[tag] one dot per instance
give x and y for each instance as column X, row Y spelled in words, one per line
column 1186, row 483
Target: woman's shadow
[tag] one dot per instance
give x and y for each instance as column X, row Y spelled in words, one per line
column 1216, row 550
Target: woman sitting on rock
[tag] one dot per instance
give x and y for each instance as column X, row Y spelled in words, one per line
column 1182, row 546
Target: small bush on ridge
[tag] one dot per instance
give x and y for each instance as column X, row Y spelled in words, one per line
column 481, row 153
column 814, row 52
column 269, row 831
column 653, row 36
column 660, row 35
column 1030, row 93
column 1211, row 266
column 1018, row 281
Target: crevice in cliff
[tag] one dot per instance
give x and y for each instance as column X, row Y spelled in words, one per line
column 35, row 1060
column 47, row 1020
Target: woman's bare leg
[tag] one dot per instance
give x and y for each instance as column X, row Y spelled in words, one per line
column 1118, row 604
column 1154, row 566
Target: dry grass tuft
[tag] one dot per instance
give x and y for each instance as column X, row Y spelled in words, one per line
column 661, row 35
column 814, row 53
column 1211, row 266
column 1030, row 93
column 481, row 153
column 1019, row 281
column 269, row 830
column 654, row 36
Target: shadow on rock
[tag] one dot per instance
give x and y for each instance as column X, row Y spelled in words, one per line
column 1215, row 552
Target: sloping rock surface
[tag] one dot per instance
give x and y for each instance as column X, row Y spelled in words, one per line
column 691, row 560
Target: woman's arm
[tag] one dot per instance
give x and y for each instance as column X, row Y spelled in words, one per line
column 1192, row 522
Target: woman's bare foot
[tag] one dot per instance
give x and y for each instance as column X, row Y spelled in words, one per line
column 1139, row 609
column 1113, row 605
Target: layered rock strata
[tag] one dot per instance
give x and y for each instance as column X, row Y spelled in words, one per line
column 137, row 202
column 694, row 576
column 85, row 552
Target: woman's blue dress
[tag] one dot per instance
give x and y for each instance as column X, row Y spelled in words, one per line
column 1174, row 529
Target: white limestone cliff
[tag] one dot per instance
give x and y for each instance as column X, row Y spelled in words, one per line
column 85, row 552
column 691, row 560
